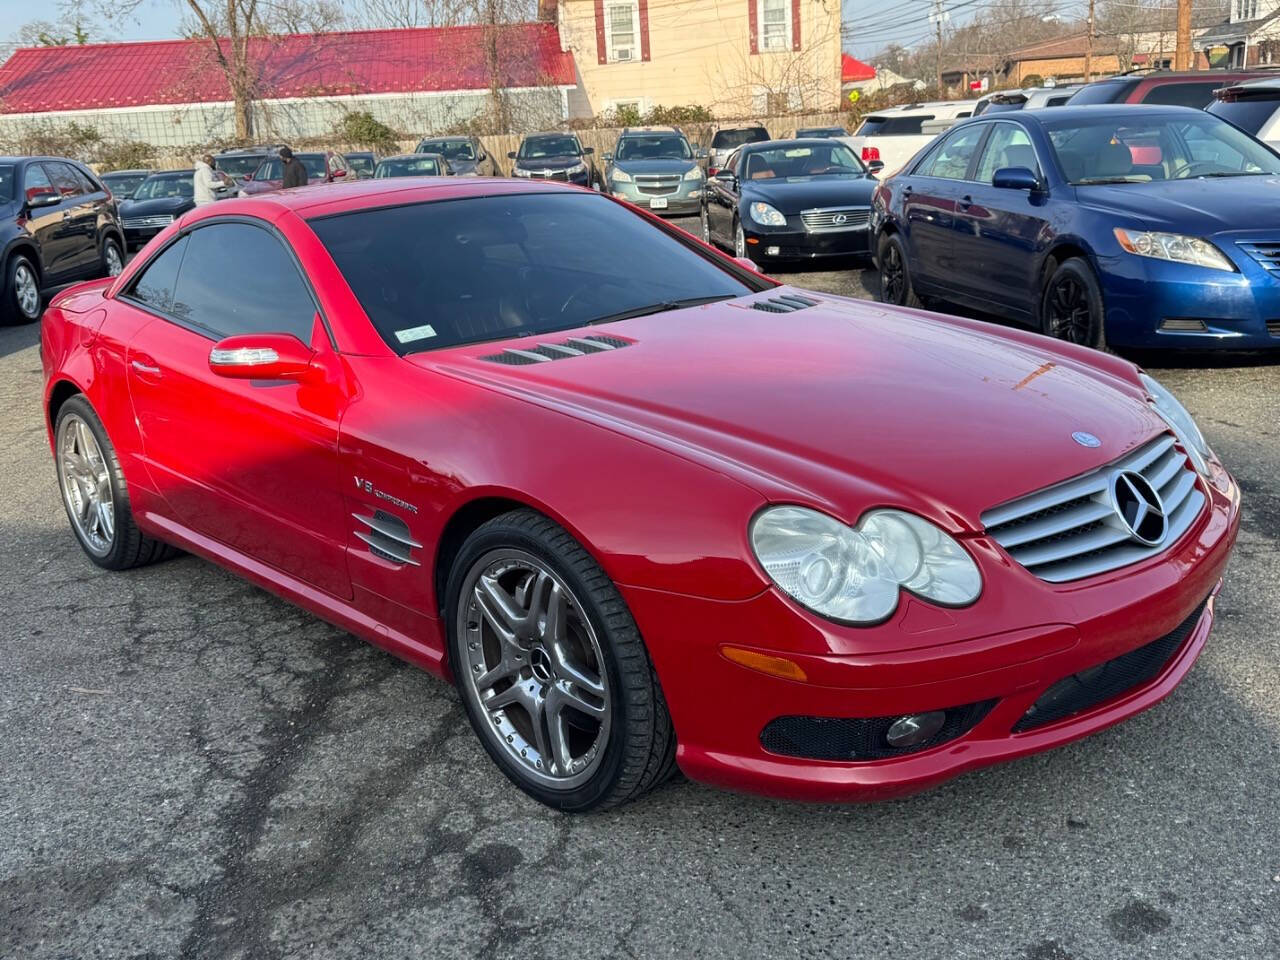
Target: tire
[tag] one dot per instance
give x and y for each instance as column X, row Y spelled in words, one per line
column 739, row 239
column 22, row 298
column 112, row 257
column 894, row 272
column 1071, row 306
column 110, row 538
column 706, row 227
column 588, row 687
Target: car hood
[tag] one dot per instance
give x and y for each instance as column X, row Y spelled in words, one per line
column 260, row 186
column 1196, row 207
column 549, row 163
column 844, row 406
column 655, row 166
column 156, row 207
column 796, row 195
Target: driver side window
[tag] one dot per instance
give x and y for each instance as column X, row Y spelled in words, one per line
column 950, row 161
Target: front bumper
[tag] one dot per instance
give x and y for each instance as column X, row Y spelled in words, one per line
column 1018, row 641
column 1154, row 304
column 582, row 178
column 791, row 244
column 685, row 200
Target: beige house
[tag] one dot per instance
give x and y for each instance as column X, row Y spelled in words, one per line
column 738, row 58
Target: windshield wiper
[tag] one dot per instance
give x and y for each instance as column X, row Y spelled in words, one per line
column 1094, row 181
column 1235, row 173
column 661, row 307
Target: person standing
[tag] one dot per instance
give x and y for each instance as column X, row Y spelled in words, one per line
column 207, row 181
column 295, row 174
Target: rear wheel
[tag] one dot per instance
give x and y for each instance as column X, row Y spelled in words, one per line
column 895, row 275
column 94, row 492
column 21, row 291
column 554, row 676
column 739, row 240
column 1071, row 305
column 112, row 258
column 706, row 225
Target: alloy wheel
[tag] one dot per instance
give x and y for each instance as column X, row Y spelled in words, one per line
column 739, row 242
column 27, row 290
column 115, row 263
column 535, row 667
column 893, row 277
column 1069, row 312
column 706, row 226
column 86, row 485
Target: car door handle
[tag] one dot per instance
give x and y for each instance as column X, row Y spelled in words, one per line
column 965, row 202
column 146, row 368
column 906, row 191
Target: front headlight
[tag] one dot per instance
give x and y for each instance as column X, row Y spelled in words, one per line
column 520, row 172
column 855, row 575
column 576, row 168
column 766, row 215
column 1180, row 422
column 693, row 173
column 1173, row 246
column 620, row 176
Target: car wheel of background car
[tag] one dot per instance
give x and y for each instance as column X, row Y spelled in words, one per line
column 552, row 670
column 94, row 492
column 1071, row 305
column 739, row 240
column 895, row 276
column 21, row 292
column 706, row 226
column 112, row 259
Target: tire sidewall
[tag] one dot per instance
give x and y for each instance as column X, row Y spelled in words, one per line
column 12, row 311
column 113, row 559
column 887, row 241
column 108, row 243
column 1080, row 269
column 496, row 536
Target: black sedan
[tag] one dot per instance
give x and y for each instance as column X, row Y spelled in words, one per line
column 556, row 156
column 790, row 200
column 161, row 199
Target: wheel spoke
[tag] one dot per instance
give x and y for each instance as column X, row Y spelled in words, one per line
column 498, row 607
column 557, row 610
column 557, row 731
column 514, row 695
column 563, row 694
column 513, row 659
column 537, row 707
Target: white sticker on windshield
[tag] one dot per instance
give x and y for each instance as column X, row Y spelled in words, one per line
column 416, row 333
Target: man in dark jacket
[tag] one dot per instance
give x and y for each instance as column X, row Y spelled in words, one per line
column 295, row 174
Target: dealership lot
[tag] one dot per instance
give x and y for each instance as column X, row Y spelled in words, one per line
column 194, row 768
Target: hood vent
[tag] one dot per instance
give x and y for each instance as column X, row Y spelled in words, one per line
column 545, row 352
column 785, row 303
column 388, row 537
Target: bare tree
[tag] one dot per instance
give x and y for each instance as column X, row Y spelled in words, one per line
column 407, row 14
column 74, row 25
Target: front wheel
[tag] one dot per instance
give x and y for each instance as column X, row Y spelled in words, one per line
column 21, row 291
column 895, row 274
column 112, row 258
column 552, row 670
column 1071, row 305
column 739, row 240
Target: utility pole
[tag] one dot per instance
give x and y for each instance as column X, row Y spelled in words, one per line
column 1088, row 46
column 1182, row 52
column 938, row 18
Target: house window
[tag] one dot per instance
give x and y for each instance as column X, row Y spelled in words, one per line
column 775, row 24
column 622, row 31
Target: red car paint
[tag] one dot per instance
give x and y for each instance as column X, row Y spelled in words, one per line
column 656, row 458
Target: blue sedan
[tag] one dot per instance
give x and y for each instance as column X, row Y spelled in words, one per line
column 1129, row 226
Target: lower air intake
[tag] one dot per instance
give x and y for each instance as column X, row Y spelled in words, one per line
column 860, row 738
column 1089, row 688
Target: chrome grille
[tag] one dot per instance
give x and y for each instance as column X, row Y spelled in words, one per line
column 146, row 223
column 1266, row 252
column 1273, row 328
column 549, row 175
column 835, row 219
column 657, row 185
column 1074, row 529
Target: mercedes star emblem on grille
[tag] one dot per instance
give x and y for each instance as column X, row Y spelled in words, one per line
column 1086, row 439
column 1139, row 507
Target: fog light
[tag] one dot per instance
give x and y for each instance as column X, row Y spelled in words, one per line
column 772, row 251
column 915, row 728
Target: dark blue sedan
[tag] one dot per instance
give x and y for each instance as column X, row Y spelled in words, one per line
column 1133, row 226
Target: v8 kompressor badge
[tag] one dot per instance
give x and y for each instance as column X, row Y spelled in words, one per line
column 368, row 487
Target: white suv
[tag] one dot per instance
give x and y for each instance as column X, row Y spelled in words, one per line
column 1253, row 106
column 894, row 135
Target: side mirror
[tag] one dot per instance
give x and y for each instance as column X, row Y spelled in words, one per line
column 511, row 154
column 727, row 178
column 748, row 263
column 700, row 154
column 261, row 356
column 44, row 199
column 1015, row 178
column 339, row 173
column 875, row 166
column 587, row 150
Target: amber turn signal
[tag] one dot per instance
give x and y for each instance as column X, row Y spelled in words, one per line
column 765, row 663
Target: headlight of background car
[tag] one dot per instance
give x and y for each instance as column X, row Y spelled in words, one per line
column 620, row 176
column 1179, row 420
column 520, row 172
column 1173, row 246
column 693, row 173
column 856, row 575
column 766, row 215
column 576, row 168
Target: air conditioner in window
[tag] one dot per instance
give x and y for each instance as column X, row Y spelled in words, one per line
column 623, row 53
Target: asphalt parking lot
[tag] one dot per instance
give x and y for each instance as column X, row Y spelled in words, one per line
column 193, row 768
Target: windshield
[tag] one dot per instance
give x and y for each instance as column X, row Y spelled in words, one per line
column 7, row 174
column 415, row 167
column 1103, row 91
column 535, row 148
column 657, row 147
column 272, row 169
column 894, row 126
column 449, row 272
column 728, row 139
column 1176, row 147
column 124, row 184
column 802, row 163
column 451, row 149
column 361, row 163
column 805, row 132
column 239, row 165
column 1249, row 114
column 173, row 185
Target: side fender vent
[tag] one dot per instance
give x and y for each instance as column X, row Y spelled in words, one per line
column 388, row 537
column 785, row 303
column 545, row 352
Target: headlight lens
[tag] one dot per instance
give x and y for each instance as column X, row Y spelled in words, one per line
column 766, row 215
column 856, row 575
column 1173, row 246
column 1180, row 421
column 520, row 172
column 576, row 168
column 620, row 176
column 693, row 173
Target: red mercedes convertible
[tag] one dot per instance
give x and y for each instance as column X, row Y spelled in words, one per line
column 645, row 507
